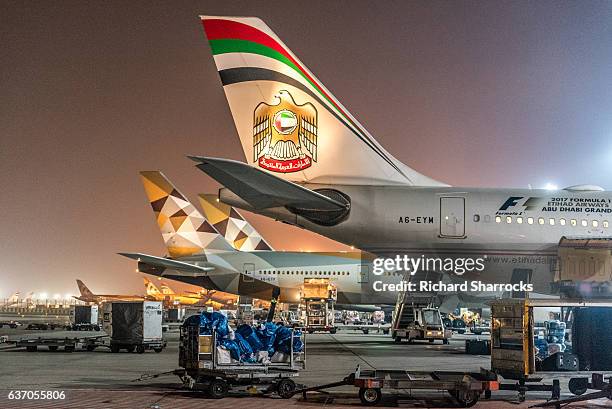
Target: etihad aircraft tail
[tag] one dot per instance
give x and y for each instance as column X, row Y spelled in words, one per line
column 288, row 122
column 231, row 225
column 185, row 231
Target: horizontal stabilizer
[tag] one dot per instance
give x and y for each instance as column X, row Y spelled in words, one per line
column 182, row 268
column 261, row 189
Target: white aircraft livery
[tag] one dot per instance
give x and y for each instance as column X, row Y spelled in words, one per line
column 310, row 163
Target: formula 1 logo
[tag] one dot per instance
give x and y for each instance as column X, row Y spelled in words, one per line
column 285, row 134
column 512, row 204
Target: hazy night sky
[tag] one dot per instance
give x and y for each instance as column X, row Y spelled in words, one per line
column 470, row 93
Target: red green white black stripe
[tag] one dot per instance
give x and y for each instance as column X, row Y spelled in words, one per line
column 228, row 38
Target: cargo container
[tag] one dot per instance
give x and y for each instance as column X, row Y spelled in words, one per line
column 134, row 325
column 84, row 318
column 591, row 338
column 175, row 314
column 318, row 297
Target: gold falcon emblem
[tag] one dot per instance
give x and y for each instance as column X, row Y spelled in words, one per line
column 285, row 134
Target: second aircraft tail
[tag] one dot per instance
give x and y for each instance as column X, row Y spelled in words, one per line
column 230, row 224
column 185, row 231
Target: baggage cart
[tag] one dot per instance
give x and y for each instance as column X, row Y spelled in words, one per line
column 203, row 369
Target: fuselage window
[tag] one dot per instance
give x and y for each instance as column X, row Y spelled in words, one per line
column 562, row 222
column 508, row 219
column 595, row 223
column 551, row 221
column 583, row 223
column 476, row 218
column 497, row 219
column 487, row 218
column 540, row 220
column 573, row 222
column 605, row 224
column 530, row 220
column 519, row 220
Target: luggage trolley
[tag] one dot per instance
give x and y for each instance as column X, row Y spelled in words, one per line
column 465, row 387
column 201, row 368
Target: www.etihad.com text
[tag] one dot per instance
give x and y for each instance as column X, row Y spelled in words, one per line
column 438, row 286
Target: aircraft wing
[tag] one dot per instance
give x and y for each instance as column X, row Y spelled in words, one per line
column 260, row 189
column 180, row 267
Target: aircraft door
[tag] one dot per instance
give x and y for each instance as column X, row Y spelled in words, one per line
column 452, row 217
column 248, row 270
column 364, row 273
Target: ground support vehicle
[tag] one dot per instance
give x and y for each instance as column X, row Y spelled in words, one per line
column 202, row 369
column 465, row 387
column 418, row 322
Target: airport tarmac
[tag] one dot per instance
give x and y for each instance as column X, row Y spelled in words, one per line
column 101, row 379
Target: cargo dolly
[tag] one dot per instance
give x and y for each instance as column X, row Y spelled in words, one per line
column 201, row 369
column 67, row 344
column 465, row 387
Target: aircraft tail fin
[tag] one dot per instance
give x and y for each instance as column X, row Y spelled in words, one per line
column 150, row 288
column 85, row 292
column 185, row 231
column 230, row 224
column 167, row 290
column 288, row 122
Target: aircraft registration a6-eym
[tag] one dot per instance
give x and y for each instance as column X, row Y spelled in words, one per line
column 310, row 163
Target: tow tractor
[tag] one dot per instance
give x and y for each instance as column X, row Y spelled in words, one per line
column 412, row 321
